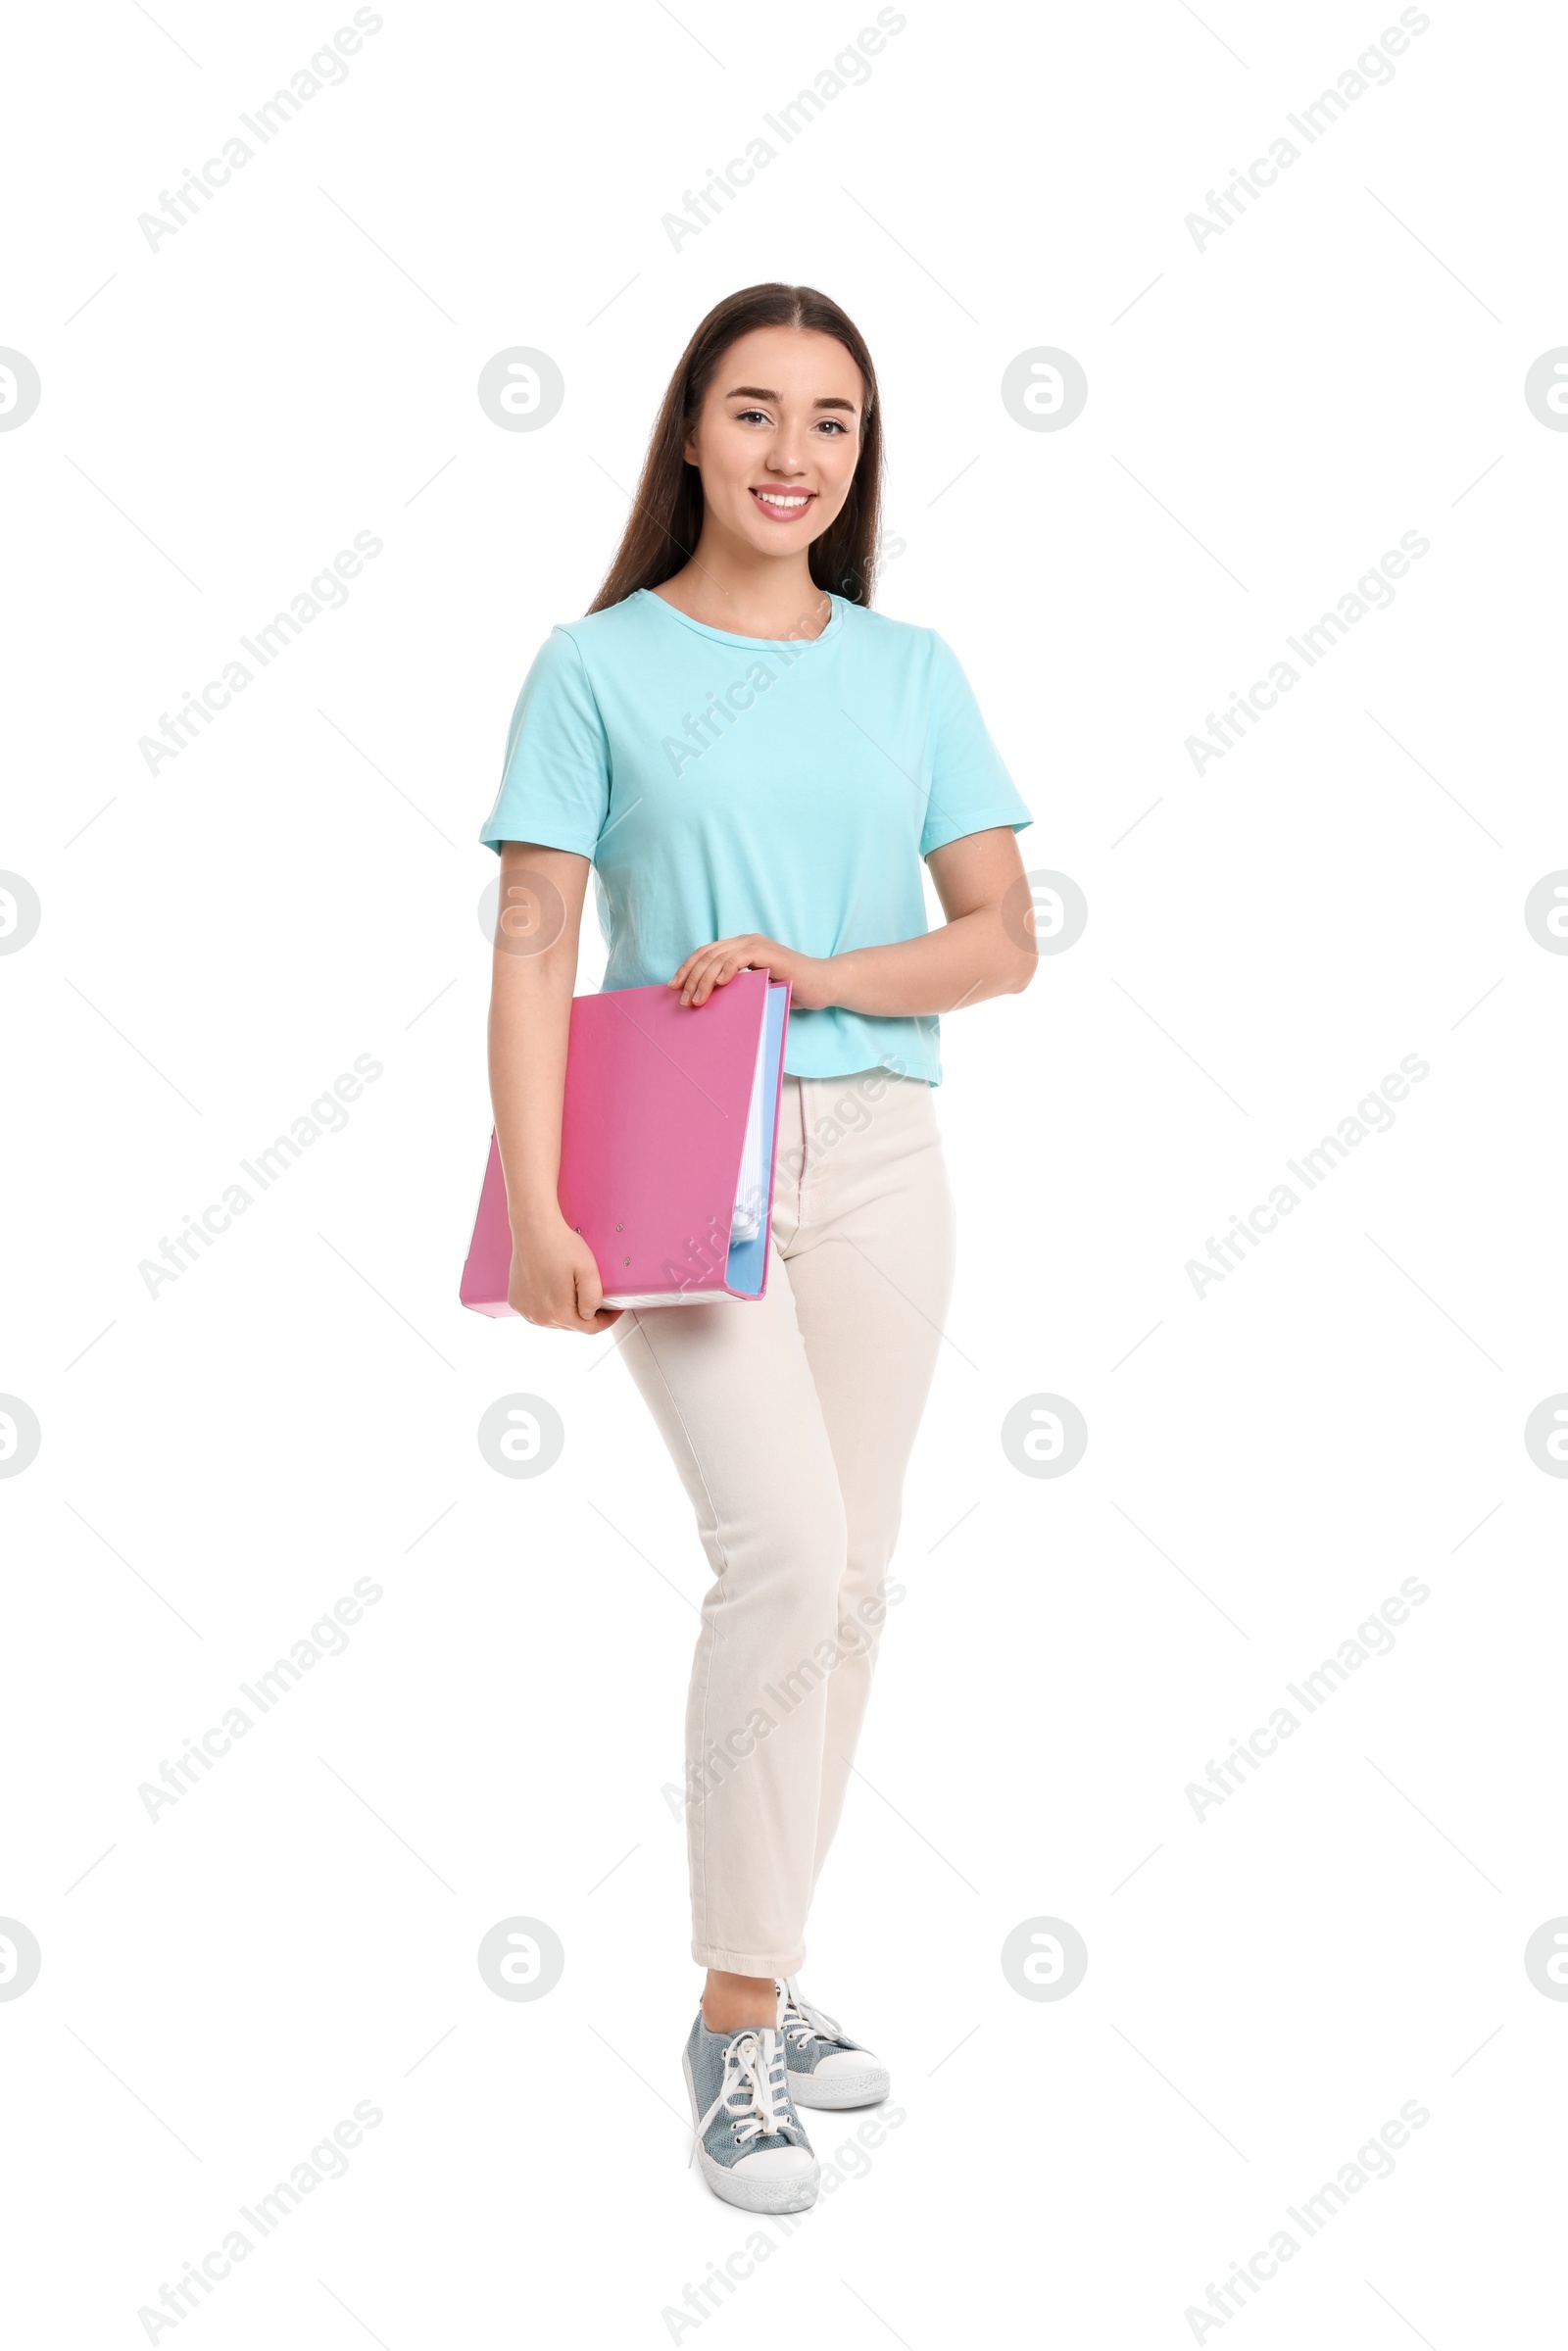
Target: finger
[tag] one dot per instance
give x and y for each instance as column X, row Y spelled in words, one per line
column 722, row 967
column 697, row 956
column 723, row 973
column 589, row 1291
column 696, row 979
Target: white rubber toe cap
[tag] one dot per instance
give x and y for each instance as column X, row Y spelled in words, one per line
column 776, row 2163
column 841, row 2077
column 840, row 2062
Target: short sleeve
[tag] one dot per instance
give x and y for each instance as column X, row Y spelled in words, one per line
column 555, row 784
column 970, row 788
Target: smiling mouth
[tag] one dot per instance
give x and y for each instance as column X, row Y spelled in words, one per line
column 784, row 506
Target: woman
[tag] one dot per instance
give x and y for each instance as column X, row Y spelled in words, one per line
column 755, row 763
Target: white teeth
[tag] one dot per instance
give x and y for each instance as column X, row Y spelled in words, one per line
column 778, row 498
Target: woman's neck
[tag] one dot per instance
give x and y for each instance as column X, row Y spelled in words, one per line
column 748, row 598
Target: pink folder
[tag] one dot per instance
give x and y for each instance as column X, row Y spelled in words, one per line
column 659, row 1100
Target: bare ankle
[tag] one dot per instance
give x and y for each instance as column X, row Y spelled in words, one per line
column 731, row 2001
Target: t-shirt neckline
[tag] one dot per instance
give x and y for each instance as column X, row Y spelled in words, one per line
column 726, row 636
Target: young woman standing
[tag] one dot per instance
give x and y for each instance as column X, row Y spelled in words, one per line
column 755, row 765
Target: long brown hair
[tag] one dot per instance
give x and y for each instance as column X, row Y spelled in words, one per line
column 666, row 517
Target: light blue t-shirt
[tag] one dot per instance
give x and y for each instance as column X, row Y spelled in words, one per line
column 725, row 784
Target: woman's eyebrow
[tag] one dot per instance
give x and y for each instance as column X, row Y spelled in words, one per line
column 756, row 392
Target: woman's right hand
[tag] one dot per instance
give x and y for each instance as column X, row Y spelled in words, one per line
column 555, row 1280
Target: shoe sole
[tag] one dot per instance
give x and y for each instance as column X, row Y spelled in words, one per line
column 752, row 2195
column 849, row 2089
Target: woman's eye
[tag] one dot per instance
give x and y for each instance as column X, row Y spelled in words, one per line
column 832, row 423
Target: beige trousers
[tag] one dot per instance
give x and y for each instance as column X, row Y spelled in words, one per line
column 790, row 1422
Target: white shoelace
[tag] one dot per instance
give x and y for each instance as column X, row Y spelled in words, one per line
column 754, row 2091
column 798, row 2020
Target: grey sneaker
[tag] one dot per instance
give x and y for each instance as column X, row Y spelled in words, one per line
column 826, row 2067
column 754, row 2149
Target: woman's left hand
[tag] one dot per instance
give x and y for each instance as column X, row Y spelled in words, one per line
column 709, row 968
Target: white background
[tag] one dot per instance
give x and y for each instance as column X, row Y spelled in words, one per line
column 1267, row 415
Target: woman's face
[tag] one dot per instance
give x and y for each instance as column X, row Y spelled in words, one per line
column 777, row 438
